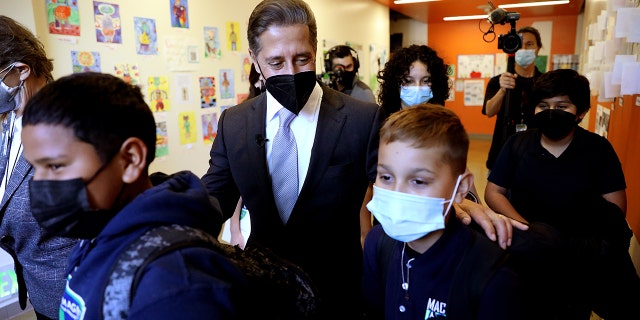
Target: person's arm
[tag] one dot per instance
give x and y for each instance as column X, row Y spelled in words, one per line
column 496, row 198
column 365, row 215
column 619, row 198
column 234, row 227
column 494, row 104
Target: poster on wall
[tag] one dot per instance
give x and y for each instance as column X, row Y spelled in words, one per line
column 207, row 92
column 187, row 125
column 209, row 127
column 85, row 61
column 162, row 139
column 107, row 22
column 212, row 43
column 233, row 38
column 227, row 80
column 473, row 92
column 179, row 13
column 475, row 66
column 602, row 121
column 63, row 17
column 128, row 72
column 246, row 68
column 146, row 36
column 158, row 93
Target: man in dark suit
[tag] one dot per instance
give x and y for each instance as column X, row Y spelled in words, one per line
column 336, row 138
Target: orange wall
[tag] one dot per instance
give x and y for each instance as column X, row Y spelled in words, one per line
column 624, row 135
column 452, row 38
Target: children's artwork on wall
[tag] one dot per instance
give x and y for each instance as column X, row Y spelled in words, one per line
column 179, row 13
column 473, row 92
column 602, row 121
column 158, row 93
column 146, row 36
column 84, row 61
column 212, row 43
column 187, row 125
column 162, row 139
column 207, row 92
column 183, row 85
column 209, row 127
column 233, row 39
column 63, row 17
column 128, row 72
column 475, row 66
column 242, row 97
column 107, row 22
column 181, row 53
column 246, row 68
column 226, row 84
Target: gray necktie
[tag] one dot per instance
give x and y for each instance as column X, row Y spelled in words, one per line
column 284, row 158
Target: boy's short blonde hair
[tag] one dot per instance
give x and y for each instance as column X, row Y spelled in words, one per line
column 429, row 126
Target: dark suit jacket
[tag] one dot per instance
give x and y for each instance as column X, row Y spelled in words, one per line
column 323, row 233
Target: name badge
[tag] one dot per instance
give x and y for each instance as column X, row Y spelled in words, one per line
column 521, row 127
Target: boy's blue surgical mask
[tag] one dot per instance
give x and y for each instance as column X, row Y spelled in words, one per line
column 407, row 217
column 414, row 95
column 525, row 57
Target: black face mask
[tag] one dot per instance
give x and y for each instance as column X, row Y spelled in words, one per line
column 62, row 208
column 292, row 91
column 555, row 124
column 346, row 79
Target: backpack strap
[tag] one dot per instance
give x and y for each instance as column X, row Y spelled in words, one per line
column 384, row 251
column 126, row 272
column 479, row 263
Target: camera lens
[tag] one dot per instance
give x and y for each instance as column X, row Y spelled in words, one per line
column 509, row 43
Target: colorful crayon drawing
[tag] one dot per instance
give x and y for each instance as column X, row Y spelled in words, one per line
column 211, row 43
column 84, row 61
column 209, row 127
column 107, row 21
column 179, row 13
column 128, row 72
column 246, row 68
column 187, row 124
column 226, row 84
column 63, row 17
column 158, row 90
column 207, row 92
column 233, row 40
column 162, row 139
column 146, row 36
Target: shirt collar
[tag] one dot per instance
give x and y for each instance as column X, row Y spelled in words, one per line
column 307, row 112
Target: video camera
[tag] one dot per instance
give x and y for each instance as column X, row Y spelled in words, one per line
column 510, row 42
column 331, row 78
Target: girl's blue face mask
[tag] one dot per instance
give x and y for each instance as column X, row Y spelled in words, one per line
column 414, row 95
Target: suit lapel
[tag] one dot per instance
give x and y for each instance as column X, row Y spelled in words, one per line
column 18, row 175
column 330, row 124
column 256, row 146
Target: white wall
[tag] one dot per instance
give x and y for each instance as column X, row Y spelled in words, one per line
column 413, row 31
column 363, row 22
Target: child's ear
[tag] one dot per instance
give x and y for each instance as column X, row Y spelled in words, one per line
column 134, row 152
column 466, row 181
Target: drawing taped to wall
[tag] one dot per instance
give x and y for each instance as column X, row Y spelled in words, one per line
column 158, row 93
column 233, row 36
column 63, row 17
column 226, row 84
column 207, row 92
column 128, row 72
column 85, row 61
column 146, row 36
column 212, row 43
column 209, row 127
column 179, row 13
column 162, row 139
column 187, row 125
column 107, row 22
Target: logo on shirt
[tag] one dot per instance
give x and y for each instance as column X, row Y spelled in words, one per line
column 436, row 310
column 72, row 306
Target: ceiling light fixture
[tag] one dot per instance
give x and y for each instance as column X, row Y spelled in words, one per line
column 505, row 6
column 412, row 1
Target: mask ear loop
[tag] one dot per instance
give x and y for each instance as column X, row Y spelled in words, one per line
column 453, row 195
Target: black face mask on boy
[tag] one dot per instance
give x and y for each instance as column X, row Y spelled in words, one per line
column 62, row 208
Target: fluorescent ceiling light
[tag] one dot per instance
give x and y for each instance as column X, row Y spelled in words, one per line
column 476, row 17
column 505, row 6
column 412, row 1
column 532, row 4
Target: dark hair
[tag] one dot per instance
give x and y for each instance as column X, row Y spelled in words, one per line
column 561, row 82
column 17, row 43
column 428, row 126
column 533, row 31
column 397, row 68
column 341, row 51
column 102, row 109
column 280, row 13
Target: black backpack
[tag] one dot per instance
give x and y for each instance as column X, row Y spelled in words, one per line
column 278, row 289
